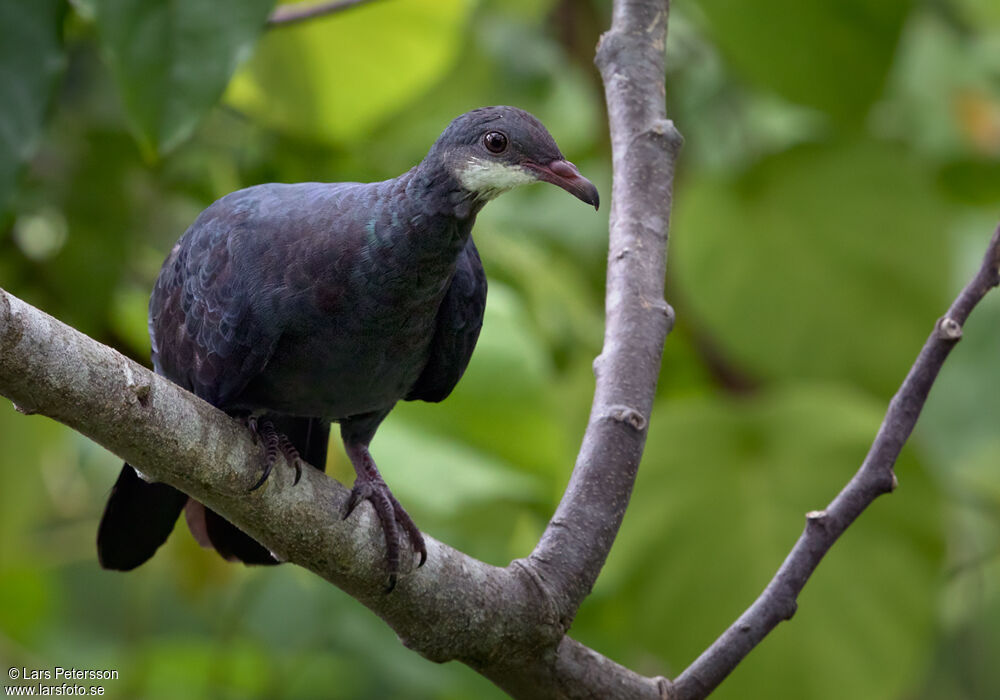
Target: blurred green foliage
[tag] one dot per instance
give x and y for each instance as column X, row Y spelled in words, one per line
column 840, row 178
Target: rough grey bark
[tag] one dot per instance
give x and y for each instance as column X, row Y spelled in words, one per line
column 455, row 608
column 644, row 144
column 507, row 623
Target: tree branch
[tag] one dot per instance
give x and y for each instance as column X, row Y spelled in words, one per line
column 284, row 15
column 644, row 145
column 509, row 624
column 875, row 477
column 495, row 620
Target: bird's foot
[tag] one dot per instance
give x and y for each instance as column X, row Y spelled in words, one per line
column 275, row 443
column 370, row 487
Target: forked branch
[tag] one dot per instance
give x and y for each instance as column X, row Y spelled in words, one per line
column 507, row 623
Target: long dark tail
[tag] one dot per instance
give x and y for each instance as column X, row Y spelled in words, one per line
column 140, row 516
column 137, row 520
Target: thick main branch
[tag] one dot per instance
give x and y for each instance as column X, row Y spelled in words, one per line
column 509, row 623
column 453, row 608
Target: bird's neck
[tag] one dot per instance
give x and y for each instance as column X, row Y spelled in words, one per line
column 432, row 184
column 416, row 227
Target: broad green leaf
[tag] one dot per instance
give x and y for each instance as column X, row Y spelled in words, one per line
column 959, row 429
column 960, row 417
column 721, row 498
column 443, row 475
column 980, row 13
column 504, row 404
column 942, row 100
column 975, row 182
column 335, row 77
column 172, row 59
column 829, row 54
column 826, row 262
column 31, row 56
column 564, row 308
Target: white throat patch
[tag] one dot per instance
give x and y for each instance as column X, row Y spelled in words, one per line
column 488, row 178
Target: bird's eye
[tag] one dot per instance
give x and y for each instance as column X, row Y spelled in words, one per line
column 495, row 142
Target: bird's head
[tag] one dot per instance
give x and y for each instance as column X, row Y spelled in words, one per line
column 494, row 149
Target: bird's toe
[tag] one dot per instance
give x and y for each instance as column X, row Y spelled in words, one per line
column 275, row 443
column 392, row 517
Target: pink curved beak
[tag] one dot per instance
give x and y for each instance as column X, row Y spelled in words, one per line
column 566, row 175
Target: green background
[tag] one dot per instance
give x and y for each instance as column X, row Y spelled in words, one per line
column 839, row 180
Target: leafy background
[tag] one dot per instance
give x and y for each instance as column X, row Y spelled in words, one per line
column 840, row 177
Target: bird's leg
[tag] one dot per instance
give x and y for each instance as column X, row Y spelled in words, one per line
column 369, row 486
column 275, row 443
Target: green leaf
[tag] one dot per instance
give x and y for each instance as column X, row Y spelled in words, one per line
column 504, row 404
column 958, row 427
column 336, row 77
column 961, row 413
column 979, row 13
column 721, row 498
column 444, row 476
column 972, row 181
column 829, row 54
column 172, row 59
column 31, row 57
column 942, row 99
column 825, row 262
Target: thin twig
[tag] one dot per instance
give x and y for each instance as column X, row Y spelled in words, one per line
column 284, row 15
column 874, row 478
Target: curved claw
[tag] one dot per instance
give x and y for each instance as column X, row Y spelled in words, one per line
column 412, row 531
column 353, row 499
column 391, row 517
column 251, row 423
column 274, row 442
column 263, row 477
column 291, row 454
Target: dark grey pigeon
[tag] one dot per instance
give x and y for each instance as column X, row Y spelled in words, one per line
column 294, row 306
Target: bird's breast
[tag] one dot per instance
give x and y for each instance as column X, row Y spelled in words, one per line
column 344, row 282
column 352, row 352
column 337, row 375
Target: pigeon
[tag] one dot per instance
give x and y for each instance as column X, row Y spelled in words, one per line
column 295, row 306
